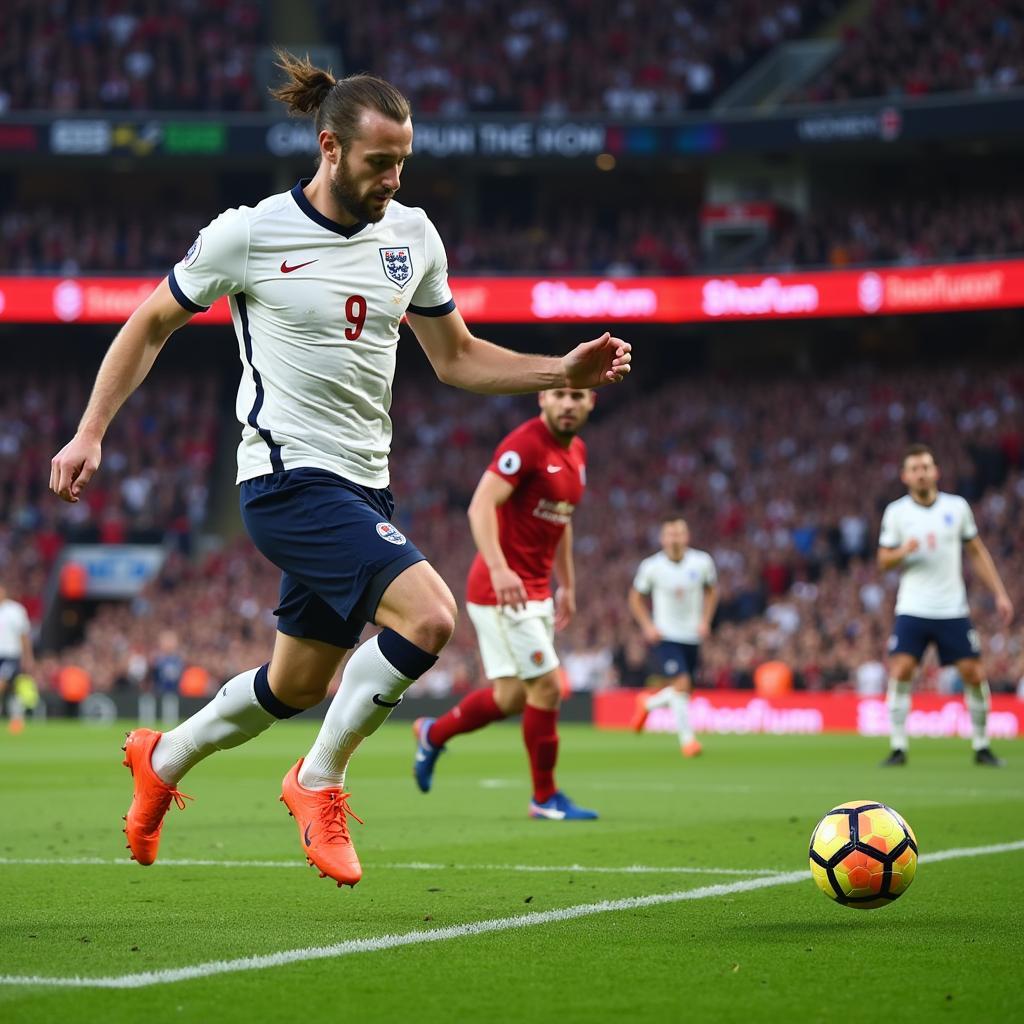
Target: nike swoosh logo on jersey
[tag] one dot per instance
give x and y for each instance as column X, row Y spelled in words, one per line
column 554, row 469
column 285, row 269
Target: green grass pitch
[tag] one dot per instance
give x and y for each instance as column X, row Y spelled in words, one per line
column 949, row 950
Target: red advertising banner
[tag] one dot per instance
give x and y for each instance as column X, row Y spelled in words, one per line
column 831, row 293
column 812, row 713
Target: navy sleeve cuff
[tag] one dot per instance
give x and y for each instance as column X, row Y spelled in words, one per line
column 183, row 300
column 443, row 310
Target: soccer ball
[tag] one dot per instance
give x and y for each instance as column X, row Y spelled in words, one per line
column 863, row 854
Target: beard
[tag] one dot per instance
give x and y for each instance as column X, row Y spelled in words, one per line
column 559, row 430
column 346, row 194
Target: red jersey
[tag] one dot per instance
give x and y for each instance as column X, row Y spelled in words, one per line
column 548, row 481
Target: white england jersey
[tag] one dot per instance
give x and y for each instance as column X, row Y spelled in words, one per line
column 677, row 592
column 14, row 624
column 316, row 308
column 932, row 580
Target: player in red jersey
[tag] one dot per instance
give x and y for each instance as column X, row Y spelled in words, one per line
column 521, row 518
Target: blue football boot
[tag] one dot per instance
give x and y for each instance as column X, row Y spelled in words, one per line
column 426, row 754
column 560, row 808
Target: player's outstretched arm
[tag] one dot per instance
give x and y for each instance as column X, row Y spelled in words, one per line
column 124, row 367
column 986, row 569
column 468, row 362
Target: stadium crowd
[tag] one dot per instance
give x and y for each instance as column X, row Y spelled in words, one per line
column 74, row 55
column 45, row 238
column 645, row 238
column 154, row 487
column 788, row 505
column 909, row 48
column 625, row 58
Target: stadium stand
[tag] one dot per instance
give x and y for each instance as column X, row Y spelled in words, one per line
column 788, row 506
column 154, row 487
column 913, row 48
column 903, row 227
column 130, row 55
column 639, row 59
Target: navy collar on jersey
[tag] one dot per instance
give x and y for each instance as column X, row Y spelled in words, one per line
column 348, row 230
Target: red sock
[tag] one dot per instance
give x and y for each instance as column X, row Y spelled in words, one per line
column 473, row 712
column 540, row 733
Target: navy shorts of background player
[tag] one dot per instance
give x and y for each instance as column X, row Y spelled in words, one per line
column 335, row 544
column 955, row 639
column 670, row 658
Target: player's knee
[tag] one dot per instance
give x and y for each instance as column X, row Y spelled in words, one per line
column 301, row 693
column 433, row 627
column 972, row 674
column 545, row 691
column 510, row 700
column 902, row 669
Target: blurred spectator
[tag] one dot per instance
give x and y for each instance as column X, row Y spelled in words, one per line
column 70, row 55
column 908, row 48
column 154, row 484
column 624, row 58
column 922, row 225
column 54, row 239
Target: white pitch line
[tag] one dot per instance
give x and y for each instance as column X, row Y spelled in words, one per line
column 170, row 862
column 629, row 869
column 372, row 945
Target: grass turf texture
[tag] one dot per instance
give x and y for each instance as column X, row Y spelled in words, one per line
column 950, row 949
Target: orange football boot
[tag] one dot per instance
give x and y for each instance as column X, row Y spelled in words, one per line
column 691, row 749
column 640, row 712
column 151, row 799
column 322, row 816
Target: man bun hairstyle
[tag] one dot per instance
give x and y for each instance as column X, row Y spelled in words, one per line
column 337, row 104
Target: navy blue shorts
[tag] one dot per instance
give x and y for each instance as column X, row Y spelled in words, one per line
column 955, row 638
column 335, row 544
column 670, row 658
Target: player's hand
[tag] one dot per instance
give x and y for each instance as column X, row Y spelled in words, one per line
column 604, row 360
column 565, row 607
column 509, row 589
column 703, row 631
column 73, row 466
column 1004, row 608
column 911, row 546
column 652, row 634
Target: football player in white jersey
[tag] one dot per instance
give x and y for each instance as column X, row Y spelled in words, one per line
column 318, row 280
column 922, row 535
column 683, row 587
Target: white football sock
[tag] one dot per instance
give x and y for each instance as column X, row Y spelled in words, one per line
column 680, row 701
column 978, row 700
column 231, row 718
column 899, row 709
column 371, row 688
column 661, row 699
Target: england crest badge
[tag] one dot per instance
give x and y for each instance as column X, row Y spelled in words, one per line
column 397, row 265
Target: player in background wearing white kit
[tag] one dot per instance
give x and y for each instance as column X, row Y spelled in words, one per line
column 15, row 655
column 318, row 280
column 922, row 535
column 683, row 588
